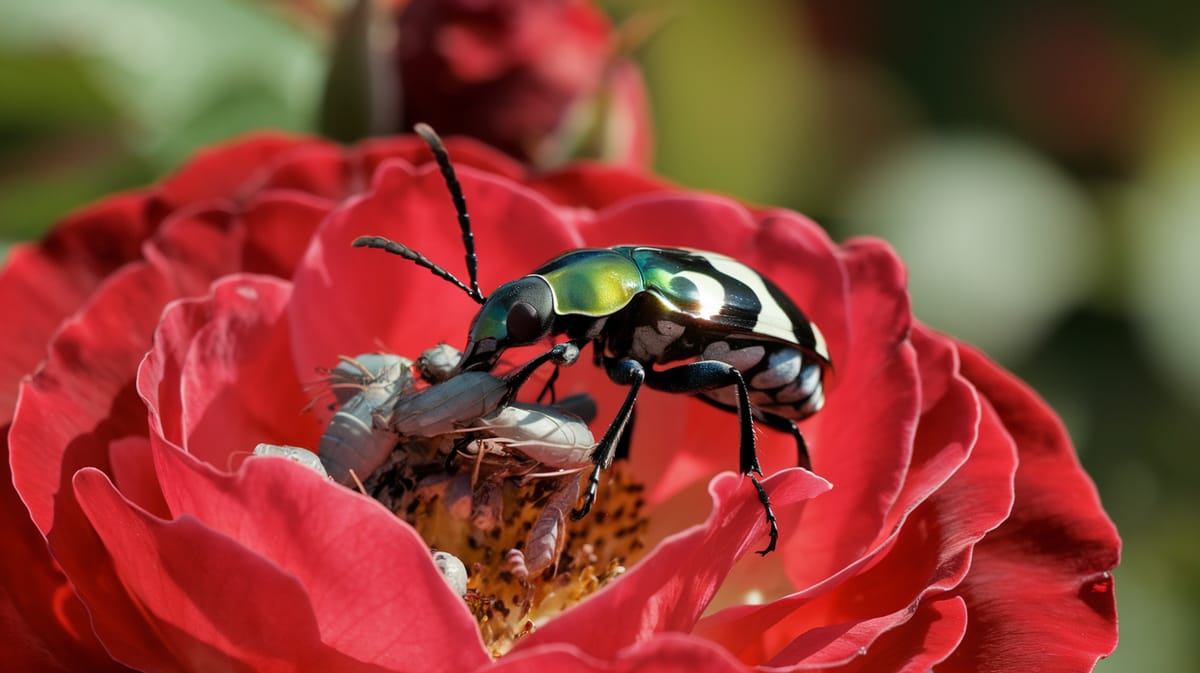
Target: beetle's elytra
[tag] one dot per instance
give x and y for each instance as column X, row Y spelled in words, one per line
column 681, row 321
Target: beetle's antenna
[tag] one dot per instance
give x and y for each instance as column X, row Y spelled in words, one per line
column 460, row 203
column 418, row 259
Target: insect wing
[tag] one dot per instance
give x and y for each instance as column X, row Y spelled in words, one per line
column 550, row 436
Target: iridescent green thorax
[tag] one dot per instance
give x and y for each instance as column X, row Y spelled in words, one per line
column 592, row 282
column 599, row 282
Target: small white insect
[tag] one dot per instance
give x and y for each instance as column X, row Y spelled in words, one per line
column 382, row 413
column 438, row 363
column 296, row 454
column 445, row 407
column 516, row 564
column 457, row 402
column 352, row 376
column 364, row 385
column 547, row 435
column 546, row 538
column 452, row 570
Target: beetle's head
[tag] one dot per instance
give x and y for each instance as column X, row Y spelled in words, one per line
column 518, row 313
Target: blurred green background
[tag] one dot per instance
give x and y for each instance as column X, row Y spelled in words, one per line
column 1037, row 164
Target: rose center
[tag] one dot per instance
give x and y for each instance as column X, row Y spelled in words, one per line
column 508, row 520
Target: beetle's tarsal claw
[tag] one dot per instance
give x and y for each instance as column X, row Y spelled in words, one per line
column 773, row 533
column 589, row 496
column 586, row 507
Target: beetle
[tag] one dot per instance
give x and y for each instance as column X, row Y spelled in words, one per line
column 729, row 335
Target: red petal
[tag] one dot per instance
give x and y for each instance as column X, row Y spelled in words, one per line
column 134, row 474
column 82, row 399
column 1040, row 592
column 214, row 605
column 923, row 641
column 45, row 283
column 671, row 587
column 862, row 441
column 230, row 171
column 331, row 173
column 350, row 300
column 596, row 185
column 88, row 375
column 593, row 185
column 702, row 221
column 665, row 653
column 161, row 370
column 463, row 151
column 237, row 384
column 197, row 244
column 949, row 425
column 364, row 578
column 929, row 557
column 278, row 229
column 918, row 545
column 70, row 413
column 317, row 170
column 43, row 625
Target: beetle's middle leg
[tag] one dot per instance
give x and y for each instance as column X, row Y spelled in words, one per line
column 625, row 372
column 705, row 375
column 775, row 422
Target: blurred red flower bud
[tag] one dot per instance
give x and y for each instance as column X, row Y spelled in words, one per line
column 544, row 80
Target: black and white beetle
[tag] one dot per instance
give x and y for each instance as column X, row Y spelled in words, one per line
column 744, row 346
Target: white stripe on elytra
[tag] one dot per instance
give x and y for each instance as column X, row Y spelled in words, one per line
column 819, row 347
column 709, row 291
column 772, row 321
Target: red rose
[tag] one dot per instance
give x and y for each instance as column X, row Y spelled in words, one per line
column 539, row 79
column 948, row 526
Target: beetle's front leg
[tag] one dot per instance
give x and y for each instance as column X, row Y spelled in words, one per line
column 625, row 372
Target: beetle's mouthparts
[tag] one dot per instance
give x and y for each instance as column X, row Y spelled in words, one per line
column 479, row 356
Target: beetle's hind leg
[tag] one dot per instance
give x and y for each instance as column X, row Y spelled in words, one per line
column 705, row 375
column 775, row 422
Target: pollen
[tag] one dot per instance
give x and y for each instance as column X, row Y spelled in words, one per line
column 509, row 521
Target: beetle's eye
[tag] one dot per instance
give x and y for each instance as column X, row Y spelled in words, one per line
column 523, row 323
